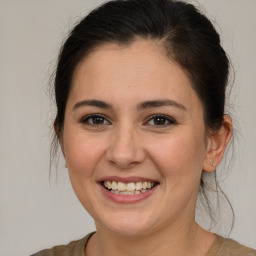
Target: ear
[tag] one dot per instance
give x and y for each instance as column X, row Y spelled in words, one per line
column 217, row 142
column 59, row 137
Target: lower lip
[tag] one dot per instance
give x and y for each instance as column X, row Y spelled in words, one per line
column 127, row 199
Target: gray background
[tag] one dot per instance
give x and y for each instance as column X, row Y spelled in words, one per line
column 36, row 213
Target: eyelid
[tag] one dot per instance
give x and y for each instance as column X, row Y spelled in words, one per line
column 84, row 119
column 171, row 120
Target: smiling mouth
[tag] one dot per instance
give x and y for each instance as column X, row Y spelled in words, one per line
column 131, row 188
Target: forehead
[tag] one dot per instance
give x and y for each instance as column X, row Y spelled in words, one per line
column 140, row 70
column 120, row 59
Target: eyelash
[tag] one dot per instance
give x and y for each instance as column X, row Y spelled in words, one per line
column 171, row 121
column 85, row 120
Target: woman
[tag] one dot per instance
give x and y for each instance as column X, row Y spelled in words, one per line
column 140, row 93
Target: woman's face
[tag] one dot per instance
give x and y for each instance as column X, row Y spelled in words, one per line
column 133, row 122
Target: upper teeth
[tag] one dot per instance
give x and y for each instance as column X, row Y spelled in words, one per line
column 120, row 186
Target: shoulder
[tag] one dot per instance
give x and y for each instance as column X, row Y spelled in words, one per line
column 229, row 247
column 74, row 248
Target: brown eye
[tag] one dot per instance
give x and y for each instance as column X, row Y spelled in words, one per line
column 95, row 120
column 160, row 120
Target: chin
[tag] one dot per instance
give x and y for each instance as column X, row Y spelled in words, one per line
column 129, row 230
column 128, row 225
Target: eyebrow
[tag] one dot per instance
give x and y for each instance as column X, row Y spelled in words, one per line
column 95, row 103
column 141, row 106
column 160, row 103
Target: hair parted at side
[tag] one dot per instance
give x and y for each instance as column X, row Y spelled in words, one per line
column 185, row 34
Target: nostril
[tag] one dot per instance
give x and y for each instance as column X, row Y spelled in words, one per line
column 125, row 157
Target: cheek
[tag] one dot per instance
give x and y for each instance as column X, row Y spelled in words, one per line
column 181, row 155
column 82, row 154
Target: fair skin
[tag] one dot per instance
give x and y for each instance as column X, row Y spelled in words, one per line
column 147, row 125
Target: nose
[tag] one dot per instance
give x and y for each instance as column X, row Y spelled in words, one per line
column 126, row 148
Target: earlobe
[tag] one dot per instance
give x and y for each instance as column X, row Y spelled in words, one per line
column 217, row 143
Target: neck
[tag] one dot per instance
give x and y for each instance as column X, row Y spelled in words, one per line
column 180, row 240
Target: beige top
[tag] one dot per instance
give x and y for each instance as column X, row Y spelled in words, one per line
column 221, row 247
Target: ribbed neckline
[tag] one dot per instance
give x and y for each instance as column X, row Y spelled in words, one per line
column 216, row 246
column 212, row 252
column 86, row 239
